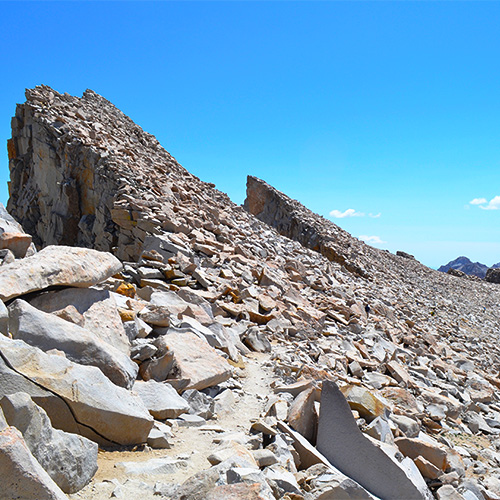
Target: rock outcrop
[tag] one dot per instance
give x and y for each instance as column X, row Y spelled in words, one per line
column 414, row 352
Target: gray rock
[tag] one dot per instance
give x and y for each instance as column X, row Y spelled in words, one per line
column 256, row 340
column 380, row 429
column 142, row 349
column 282, row 480
column 187, row 420
column 409, row 427
column 264, row 457
column 199, row 486
column 105, row 412
column 56, row 266
column 342, row 443
column 98, row 308
column 195, row 360
column 160, row 399
column 4, row 319
column 330, row 484
column 23, row 477
column 251, row 476
column 493, row 275
column 12, row 235
column 154, row 466
column 199, row 403
column 3, row 422
column 58, row 411
column 159, row 436
column 70, row 460
column 46, row 331
column 6, row 257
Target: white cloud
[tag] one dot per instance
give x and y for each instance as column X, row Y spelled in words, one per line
column 494, row 204
column 478, row 201
column 374, row 216
column 372, row 240
column 350, row 212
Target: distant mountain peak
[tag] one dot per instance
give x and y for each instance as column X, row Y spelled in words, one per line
column 465, row 265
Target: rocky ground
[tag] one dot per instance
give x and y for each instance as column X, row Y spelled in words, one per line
column 195, row 349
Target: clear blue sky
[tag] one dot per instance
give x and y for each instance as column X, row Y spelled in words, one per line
column 379, row 107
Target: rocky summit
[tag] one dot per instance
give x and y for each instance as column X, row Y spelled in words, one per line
column 159, row 341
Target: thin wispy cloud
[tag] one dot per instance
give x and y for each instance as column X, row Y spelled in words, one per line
column 350, row 212
column 374, row 216
column 484, row 204
column 372, row 240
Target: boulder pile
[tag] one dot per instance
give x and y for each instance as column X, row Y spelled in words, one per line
column 217, row 351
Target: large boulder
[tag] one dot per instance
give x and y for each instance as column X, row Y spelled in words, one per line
column 194, row 359
column 23, row 478
column 104, row 412
column 46, row 331
column 493, row 275
column 70, row 460
column 56, row 266
column 98, row 308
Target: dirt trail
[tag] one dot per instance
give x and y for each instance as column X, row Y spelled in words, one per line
column 190, row 443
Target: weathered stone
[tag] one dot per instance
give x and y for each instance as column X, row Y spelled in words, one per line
column 22, row 476
column 366, row 402
column 46, row 331
column 441, row 457
column 409, row 427
column 241, row 491
column 159, row 436
column 448, row 492
column 341, row 442
column 70, row 460
column 256, row 340
column 194, row 359
column 264, row 457
column 329, row 484
column 159, row 367
column 199, row 403
column 492, row 275
column 56, row 266
column 302, row 416
column 106, row 413
column 154, row 466
column 98, row 308
column 230, row 450
column 161, row 400
column 12, row 235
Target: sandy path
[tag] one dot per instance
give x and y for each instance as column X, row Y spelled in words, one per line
column 192, row 442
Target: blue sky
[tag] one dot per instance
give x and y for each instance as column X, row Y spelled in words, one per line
column 383, row 108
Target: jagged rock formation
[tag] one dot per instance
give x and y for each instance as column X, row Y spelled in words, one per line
column 420, row 366
column 293, row 220
column 82, row 173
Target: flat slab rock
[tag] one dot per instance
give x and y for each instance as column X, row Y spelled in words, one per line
column 110, row 412
column 56, row 266
column 345, row 447
column 195, row 360
column 98, row 308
